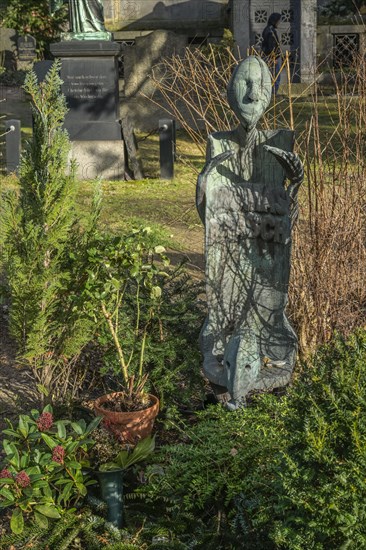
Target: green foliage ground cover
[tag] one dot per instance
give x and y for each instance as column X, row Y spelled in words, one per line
column 284, row 473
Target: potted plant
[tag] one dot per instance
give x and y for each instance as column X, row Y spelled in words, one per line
column 123, row 282
column 110, row 465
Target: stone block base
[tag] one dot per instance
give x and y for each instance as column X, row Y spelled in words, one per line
column 99, row 159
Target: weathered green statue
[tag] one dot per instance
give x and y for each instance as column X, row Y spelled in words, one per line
column 247, row 341
column 86, row 19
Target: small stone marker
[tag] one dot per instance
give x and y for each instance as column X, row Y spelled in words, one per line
column 13, row 145
column 27, row 48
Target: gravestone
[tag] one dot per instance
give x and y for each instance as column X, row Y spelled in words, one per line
column 133, row 155
column 90, row 83
column 8, row 50
column 248, row 211
column 193, row 15
column 27, row 53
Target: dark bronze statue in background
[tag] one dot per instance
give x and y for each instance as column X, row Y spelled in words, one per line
column 86, row 19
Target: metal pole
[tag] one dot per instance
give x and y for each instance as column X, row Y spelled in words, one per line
column 13, row 145
column 167, row 148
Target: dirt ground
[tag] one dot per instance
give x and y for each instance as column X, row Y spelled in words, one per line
column 17, row 391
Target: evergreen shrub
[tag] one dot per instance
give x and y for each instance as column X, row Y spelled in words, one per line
column 45, row 247
column 285, row 472
column 43, row 471
column 224, row 458
column 322, row 475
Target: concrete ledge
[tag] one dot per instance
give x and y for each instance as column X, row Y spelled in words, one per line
column 102, row 160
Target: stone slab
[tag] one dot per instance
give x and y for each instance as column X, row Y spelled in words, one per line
column 143, row 57
column 102, row 160
column 85, row 48
column 90, row 83
column 170, row 14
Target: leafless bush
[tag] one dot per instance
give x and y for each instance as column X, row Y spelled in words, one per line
column 328, row 283
column 194, row 89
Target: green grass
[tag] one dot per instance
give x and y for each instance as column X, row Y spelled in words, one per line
column 166, row 206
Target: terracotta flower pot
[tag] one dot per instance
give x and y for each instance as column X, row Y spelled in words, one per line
column 131, row 426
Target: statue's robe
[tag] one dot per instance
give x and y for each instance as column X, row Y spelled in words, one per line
column 86, row 16
column 247, row 341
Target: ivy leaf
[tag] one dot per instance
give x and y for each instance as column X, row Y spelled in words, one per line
column 7, row 494
column 23, row 425
column 93, row 424
column 42, row 389
column 156, row 292
column 65, row 495
column 12, row 453
column 81, row 488
column 142, row 450
column 74, row 464
column 61, row 430
column 77, row 428
column 12, row 433
column 7, row 481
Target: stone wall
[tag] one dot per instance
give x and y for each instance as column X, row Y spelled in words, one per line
column 297, row 30
column 139, row 61
column 8, row 47
column 177, row 15
column 338, row 43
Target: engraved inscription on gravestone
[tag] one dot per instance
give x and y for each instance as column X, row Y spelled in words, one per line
column 90, row 84
column 27, row 48
column 86, row 86
column 90, row 90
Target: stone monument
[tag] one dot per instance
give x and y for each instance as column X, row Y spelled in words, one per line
column 247, row 341
column 90, row 84
column 27, row 51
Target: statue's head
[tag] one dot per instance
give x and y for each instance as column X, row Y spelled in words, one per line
column 249, row 90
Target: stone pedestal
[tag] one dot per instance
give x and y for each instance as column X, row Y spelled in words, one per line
column 90, row 84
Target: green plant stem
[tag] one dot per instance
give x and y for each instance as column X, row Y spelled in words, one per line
column 116, row 342
column 142, row 353
column 138, row 309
